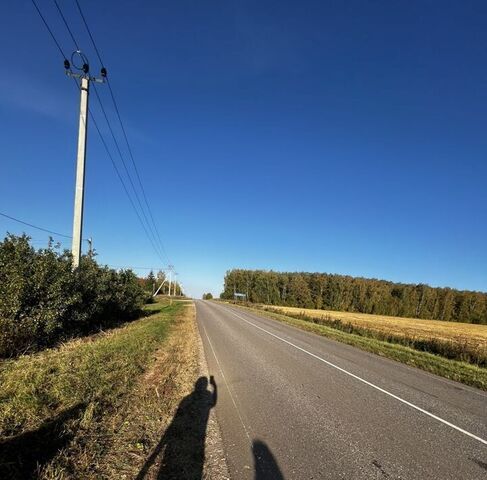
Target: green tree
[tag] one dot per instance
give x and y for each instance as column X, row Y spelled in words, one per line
column 299, row 292
column 151, row 282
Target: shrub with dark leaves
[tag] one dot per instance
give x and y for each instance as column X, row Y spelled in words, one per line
column 43, row 301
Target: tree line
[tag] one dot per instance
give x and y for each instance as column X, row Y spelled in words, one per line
column 355, row 294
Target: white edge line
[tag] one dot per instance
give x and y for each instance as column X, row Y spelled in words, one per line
column 409, row 404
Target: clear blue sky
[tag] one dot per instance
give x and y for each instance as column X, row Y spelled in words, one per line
column 345, row 137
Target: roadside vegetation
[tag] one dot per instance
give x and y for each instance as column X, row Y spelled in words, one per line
column 94, row 407
column 351, row 294
column 43, row 301
column 435, row 356
column 459, row 341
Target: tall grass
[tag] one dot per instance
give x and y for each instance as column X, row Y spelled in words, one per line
column 453, row 350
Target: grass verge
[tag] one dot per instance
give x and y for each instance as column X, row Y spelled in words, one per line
column 454, row 340
column 459, row 371
column 65, row 411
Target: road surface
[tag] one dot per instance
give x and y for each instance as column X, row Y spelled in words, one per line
column 294, row 405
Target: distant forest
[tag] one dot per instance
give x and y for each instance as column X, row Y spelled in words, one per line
column 351, row 294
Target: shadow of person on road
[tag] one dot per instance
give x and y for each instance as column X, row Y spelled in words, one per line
column 266, row 467
column 183, row 444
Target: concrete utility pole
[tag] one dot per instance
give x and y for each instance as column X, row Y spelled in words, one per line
column 157, row 291
column 80, row 173
column 170, row 267
column 84, row 68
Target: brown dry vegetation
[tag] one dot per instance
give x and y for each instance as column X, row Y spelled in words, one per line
column 465, row 334
column 120, row 443
column 98, row 407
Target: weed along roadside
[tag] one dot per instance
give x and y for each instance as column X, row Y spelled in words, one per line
column 97, row 407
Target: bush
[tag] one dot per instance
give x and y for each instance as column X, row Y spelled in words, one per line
column 42, row 301
column 207, row 296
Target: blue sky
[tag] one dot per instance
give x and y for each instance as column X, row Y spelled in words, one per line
column 345, row 137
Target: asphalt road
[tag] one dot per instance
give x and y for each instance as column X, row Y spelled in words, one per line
column 295, row 405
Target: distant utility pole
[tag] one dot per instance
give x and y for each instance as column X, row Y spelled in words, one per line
column 157, row 291
column 170, row 268
column 82, row 66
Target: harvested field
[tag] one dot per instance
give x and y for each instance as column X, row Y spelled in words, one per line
column 463, row 333
column 459, row 341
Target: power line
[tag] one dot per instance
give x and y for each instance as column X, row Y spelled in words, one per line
column 152, row 227
column 117, row 146
column 123, row 183
column 49, row 30
column 66, row 24
column 124, row 132
column 35, row 226
column 117, row 171
column 129, row 148
column 93, row 119
column 98, row 130
column 89, row 32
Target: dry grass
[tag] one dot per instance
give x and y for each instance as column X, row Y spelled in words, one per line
column 94, row 407
column 465, row 334
column 130, row 433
